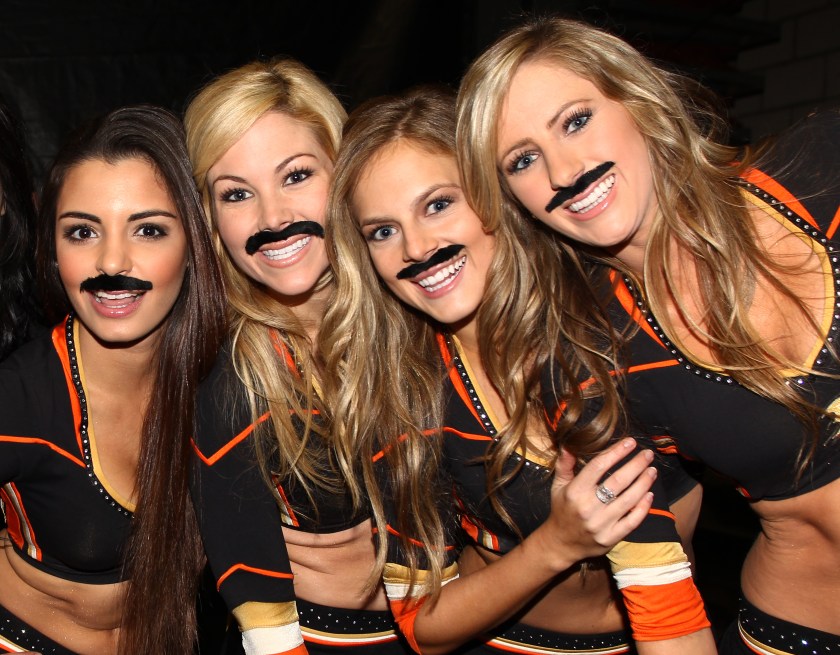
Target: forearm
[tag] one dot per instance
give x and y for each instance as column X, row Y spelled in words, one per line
column 473, row 604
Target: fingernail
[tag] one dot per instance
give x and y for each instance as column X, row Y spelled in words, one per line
column 628, row 443
column 648, row 455
column 652, row 472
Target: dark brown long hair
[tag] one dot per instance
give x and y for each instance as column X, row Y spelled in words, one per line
column 17, row 223
column 164, row 557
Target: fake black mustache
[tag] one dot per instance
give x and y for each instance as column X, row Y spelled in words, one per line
column 105, row 282
column 565, row 193
column 438, row 257
column 260, row 239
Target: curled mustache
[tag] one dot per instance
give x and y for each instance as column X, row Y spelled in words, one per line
column 565, row 193
column 105, row 282
column 438, row 257
column 260, row 239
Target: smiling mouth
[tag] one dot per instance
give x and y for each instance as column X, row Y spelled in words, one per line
column 594, row 197
column 277, row 254
column 442, row 277
column 116, row 299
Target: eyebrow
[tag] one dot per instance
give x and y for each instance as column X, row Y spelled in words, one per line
column 137, row 216
column 549, row 125
column 420, row 198
column 277, row 169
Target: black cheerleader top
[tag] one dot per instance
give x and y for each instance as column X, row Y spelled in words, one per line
column 704, row 414
column 242, row 519
column 62, row 515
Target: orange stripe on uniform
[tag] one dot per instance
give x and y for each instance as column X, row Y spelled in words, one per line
column 250, row 569
column 405, row 613
column 629, row 304
column 454, row 377
column 665, row 611
column 224, row 450
column 771, row 186
column 12, row 499
column 60, row 344
column 43, row 442
column 662, row 512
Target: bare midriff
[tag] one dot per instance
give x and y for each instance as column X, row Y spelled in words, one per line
column 575, row 602
column 792, row 571
column 334, row 568
column 82, row 617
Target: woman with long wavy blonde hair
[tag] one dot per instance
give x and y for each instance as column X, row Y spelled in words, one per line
column 285, row 521
column 441, row 296
column 723, row 275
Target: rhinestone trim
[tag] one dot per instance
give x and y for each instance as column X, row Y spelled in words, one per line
column 83, row 428
column 808, row 229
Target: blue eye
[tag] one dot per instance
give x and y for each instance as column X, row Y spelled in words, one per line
column 235, row 195
column 577, row 120
column 381, row 233
column 522, row 162
column 438, row 205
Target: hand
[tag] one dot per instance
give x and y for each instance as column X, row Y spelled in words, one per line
column 580, row 525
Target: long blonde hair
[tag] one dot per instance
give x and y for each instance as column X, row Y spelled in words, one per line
column 701, row 209
column 382, row 357
column 261, row 327
column 381, row 344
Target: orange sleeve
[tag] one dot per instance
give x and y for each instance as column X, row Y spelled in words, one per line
column 661, row 612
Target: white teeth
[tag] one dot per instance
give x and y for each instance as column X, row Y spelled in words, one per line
column 288, row 251
column 596, row 196
column 104, row 295
column 442, row 277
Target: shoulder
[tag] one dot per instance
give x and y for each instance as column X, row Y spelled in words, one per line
column 33, row 385
column 805, row 161
column 222, row 408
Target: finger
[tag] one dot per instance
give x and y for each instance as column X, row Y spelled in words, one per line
column 598, row 466
column 620, row 479
column 631, row 496
column 564, row 467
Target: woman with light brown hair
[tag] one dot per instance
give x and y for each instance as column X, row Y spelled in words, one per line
column 459, row 325
column 284, row 517
column 723, row 275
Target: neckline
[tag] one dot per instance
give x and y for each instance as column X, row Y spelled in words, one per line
column 483, row 410
column 85, row 429
column 822, row 352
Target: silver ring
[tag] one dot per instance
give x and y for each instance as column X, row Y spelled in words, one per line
column 604, row 494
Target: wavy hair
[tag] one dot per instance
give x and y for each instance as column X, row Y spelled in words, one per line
column 159, row 612
column 373, row 343
column 216, row 119
column 702, row 213
column 18, row 310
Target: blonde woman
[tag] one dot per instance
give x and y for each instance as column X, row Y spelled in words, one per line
column 727, row 277
column 284, row 520
column 398, row 211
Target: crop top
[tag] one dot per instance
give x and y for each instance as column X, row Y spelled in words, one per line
column 705, row 414
column 649, row 566
column 62, row 516
column 241, row 518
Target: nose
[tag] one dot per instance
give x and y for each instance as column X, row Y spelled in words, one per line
column 114, row 256
column 418, row 244
column 563, row 167
column 276, row 213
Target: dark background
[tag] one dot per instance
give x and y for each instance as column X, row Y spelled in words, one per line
column 61, row 63
column 64, row 62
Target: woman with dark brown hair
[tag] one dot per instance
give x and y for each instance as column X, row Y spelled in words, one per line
column 19, row 313
column 101, row 553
